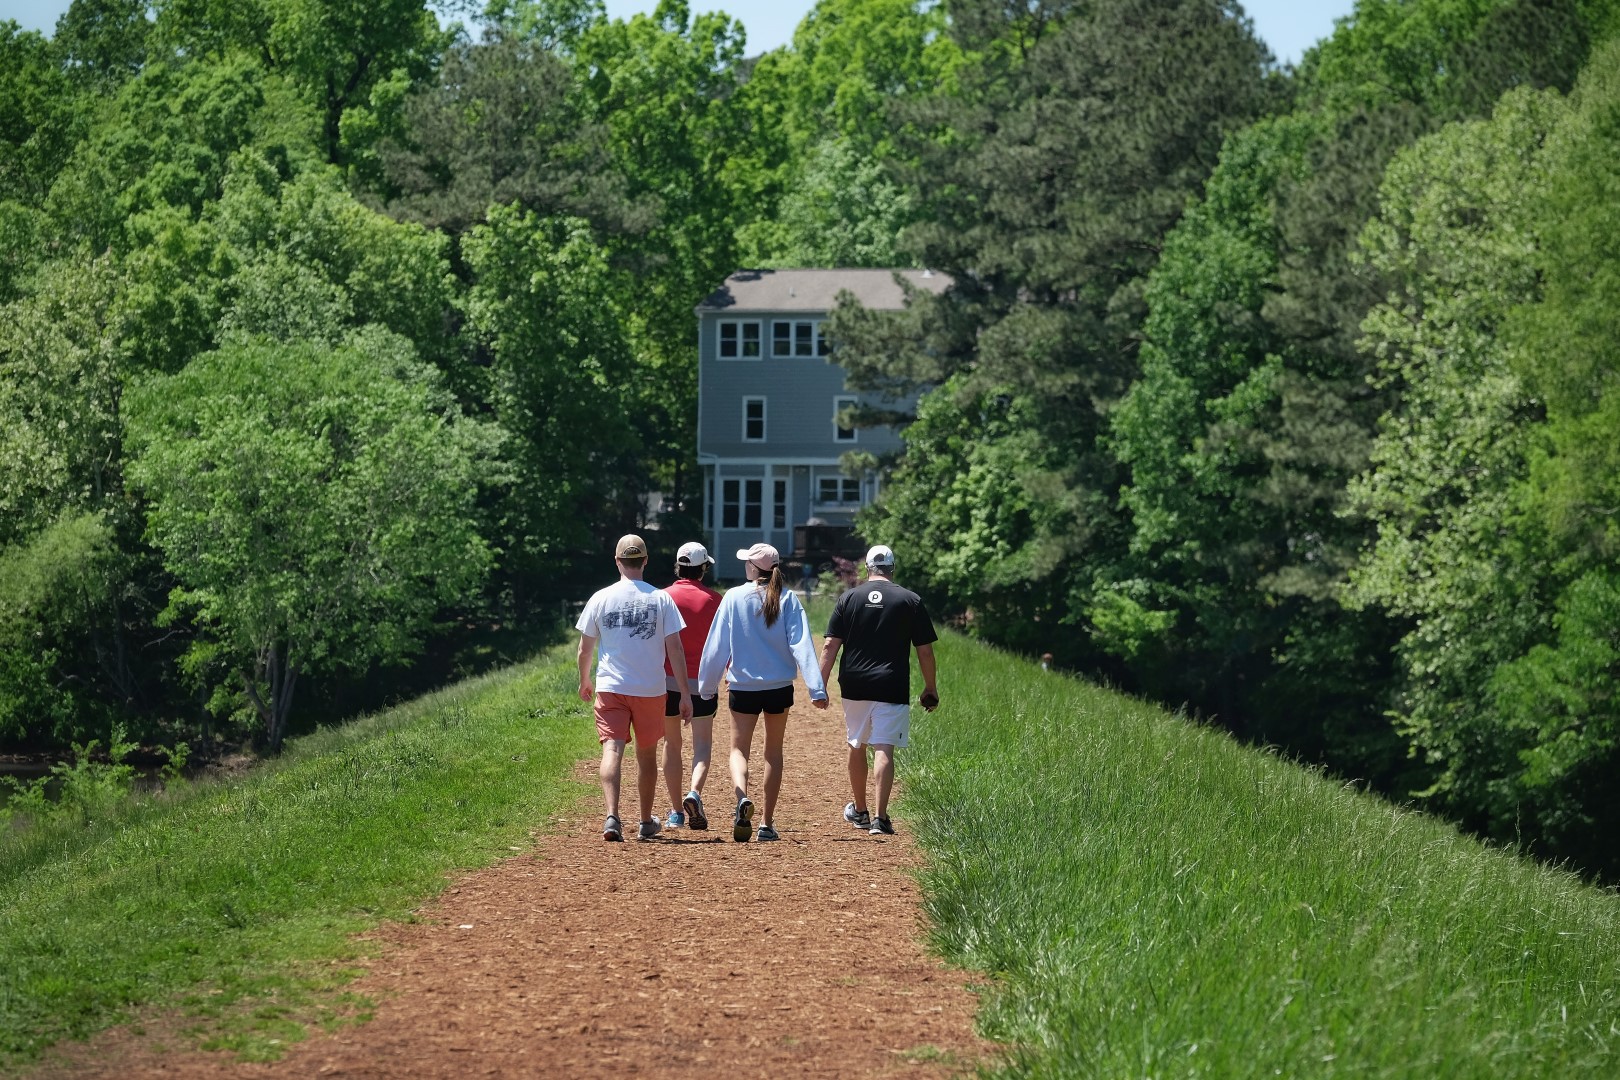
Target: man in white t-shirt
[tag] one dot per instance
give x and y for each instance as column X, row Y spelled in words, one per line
column 632, row 628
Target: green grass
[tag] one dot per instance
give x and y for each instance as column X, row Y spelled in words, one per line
column 1152, row 899
column 234, row 904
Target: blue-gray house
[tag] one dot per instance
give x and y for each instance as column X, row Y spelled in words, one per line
column 769, row 396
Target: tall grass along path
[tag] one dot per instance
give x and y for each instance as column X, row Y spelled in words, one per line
column 1143, row 896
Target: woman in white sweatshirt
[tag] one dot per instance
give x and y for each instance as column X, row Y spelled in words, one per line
column 762, row 634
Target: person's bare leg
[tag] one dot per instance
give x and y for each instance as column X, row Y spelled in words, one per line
column 702, row 747
column 883, row 771
column 857, row 775
column 742, row 739
column 647, row 779
column 775, row 735
column 674, row 767
column 612, row 764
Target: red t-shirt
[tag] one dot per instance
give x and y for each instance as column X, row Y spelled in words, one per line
column 697, row 603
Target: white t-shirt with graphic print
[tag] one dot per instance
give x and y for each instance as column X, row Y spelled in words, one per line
column 630, row 620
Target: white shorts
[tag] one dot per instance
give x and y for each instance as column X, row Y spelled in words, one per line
column 881, row 722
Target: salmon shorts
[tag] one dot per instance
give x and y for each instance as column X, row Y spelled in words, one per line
column 617, row 714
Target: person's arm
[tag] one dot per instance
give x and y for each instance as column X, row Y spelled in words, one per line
column 803, row 647
column 676, row 653
column 930, row 694
column 587, row 651
column 716, row 653
column 829, row 653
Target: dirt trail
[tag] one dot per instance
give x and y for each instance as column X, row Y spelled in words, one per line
column 682, row 956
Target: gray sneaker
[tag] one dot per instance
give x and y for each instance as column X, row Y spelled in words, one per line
column 861, row 819
column 882, row 826
column 768, row 832
column 649, row 829
column 695, row 817
column 742, row 826
column 611, row 829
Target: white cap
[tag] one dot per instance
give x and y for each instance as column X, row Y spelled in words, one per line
column 693, row 553
column 879, row 555
column 761, row 555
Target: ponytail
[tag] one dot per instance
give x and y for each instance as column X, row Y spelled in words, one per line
column 773, row 595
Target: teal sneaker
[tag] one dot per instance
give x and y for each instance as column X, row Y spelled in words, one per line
column 676, row 820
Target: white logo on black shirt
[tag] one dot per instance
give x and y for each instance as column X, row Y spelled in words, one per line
column 874, row 597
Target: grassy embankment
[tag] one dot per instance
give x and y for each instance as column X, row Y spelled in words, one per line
column 1152, row 898
column 235, row 903
column 1156, row 900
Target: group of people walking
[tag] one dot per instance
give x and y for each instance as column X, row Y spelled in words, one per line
column 660, row 655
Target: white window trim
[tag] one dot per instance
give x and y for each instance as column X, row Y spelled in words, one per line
column 839, row 403
column 739, row 324
column 764, row 415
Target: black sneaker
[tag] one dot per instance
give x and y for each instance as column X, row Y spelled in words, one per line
column 861, row 819
column 882, row 826
column 611, row 829
column 742, row 826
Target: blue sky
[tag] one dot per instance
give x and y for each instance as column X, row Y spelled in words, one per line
column 1288, row 26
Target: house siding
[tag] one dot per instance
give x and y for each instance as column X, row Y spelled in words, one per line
column 800, row 448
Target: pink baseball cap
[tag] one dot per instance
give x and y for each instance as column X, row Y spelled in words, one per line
column 761, row 555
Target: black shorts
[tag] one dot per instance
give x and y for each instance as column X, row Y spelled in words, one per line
column 754, row 702
column 701, row 706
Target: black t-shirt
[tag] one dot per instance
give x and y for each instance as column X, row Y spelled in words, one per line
column 879, row 622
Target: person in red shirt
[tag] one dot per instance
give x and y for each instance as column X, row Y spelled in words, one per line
column 697, row 604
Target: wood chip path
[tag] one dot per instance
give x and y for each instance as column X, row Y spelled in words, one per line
column 690, row 955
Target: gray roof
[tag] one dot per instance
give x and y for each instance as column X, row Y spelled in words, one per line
column 816, row 290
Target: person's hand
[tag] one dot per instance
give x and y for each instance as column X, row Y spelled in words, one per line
column 586, row 690
column 820, row 703
column 686, row 708
column 929, row 700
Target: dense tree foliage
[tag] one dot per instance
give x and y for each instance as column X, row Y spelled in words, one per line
column 331, row 335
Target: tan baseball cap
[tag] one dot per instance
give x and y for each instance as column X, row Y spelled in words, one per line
column 761, row 555
column 630, row 546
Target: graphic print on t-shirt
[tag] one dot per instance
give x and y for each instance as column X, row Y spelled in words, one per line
column 640, row 617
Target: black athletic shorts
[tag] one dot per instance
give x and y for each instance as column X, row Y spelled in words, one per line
column 754, row 702
column 701, row 706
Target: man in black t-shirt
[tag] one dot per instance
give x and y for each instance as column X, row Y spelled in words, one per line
column 877, row 624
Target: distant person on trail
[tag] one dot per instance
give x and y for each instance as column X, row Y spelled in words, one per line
column 762, row 635
column 877, row 624
column 637, row 628
column 698, row 604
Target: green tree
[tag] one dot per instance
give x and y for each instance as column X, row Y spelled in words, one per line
column 548, row 305
column 315, row 505
column 1457, row 238
column 1044, row 188
column 348, row 58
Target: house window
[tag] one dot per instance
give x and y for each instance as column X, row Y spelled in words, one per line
column 779, row 505
column 840, row 432
column 833, row 490
column 740, row 504
column 740, row 340
column 753, row 419
column 796, row 338
column 751, row 501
